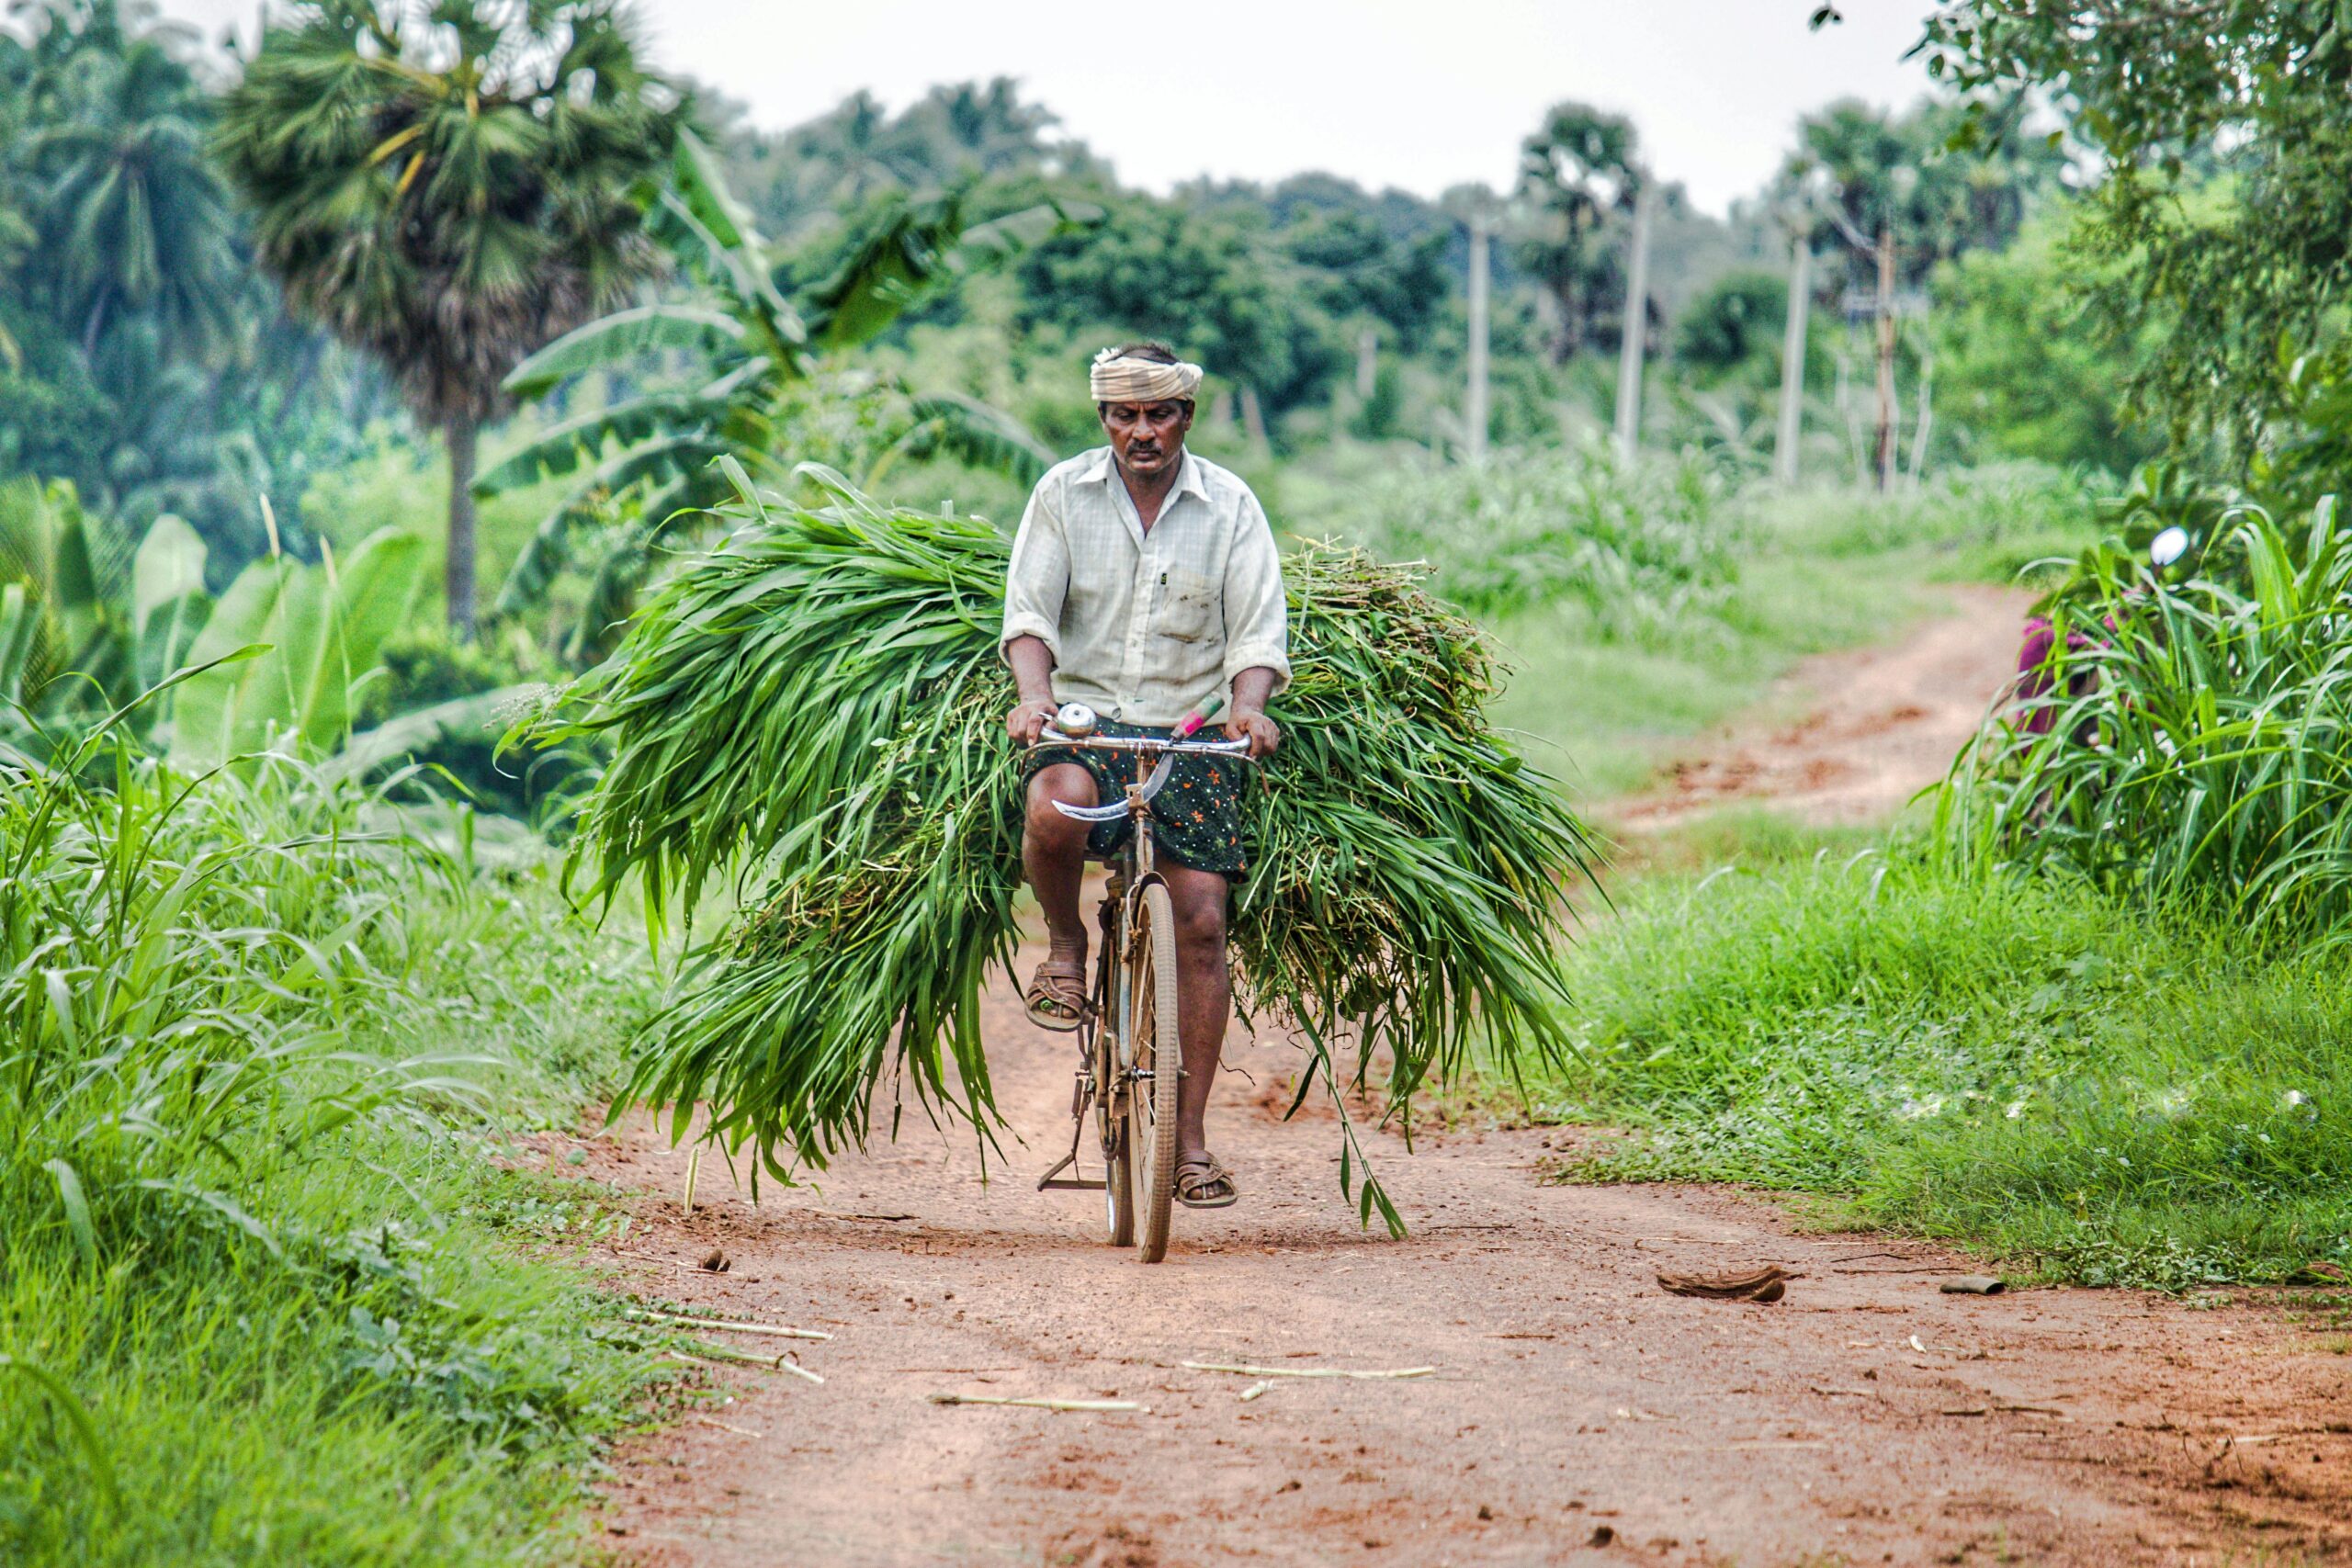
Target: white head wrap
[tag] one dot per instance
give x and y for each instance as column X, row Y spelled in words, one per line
column 1130, row 380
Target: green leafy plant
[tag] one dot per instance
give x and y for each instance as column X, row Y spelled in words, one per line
column 2194, row 738
column 323, row 627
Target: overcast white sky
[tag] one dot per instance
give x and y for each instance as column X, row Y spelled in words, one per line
column 1421, row 94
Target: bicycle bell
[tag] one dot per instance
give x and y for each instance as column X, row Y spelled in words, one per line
column 1076, row 720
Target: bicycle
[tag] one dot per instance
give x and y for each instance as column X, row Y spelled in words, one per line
column 1128, row 1023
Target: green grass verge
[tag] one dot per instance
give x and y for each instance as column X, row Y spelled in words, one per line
column 267, row 1290
column 2100, row 1093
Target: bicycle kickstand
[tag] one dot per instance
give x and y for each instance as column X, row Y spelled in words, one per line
column 1077, row 1136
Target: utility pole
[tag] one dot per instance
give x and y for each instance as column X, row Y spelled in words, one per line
column 1637, row 327
column 1367, row 362
column 1473, row 410
column 1885, row 451
column 1792, row 346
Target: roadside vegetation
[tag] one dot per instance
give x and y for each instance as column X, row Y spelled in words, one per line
column 270, row 1036
column 2098, row 1090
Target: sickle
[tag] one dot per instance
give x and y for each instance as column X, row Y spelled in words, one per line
column 1117, row 809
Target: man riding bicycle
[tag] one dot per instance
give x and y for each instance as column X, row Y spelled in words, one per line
column 1146, row 585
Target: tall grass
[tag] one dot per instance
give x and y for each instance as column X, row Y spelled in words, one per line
column 1988, row 523
column 251, row 1311
column 2105, row 1092
column 1636, row 547
column 2195, row 740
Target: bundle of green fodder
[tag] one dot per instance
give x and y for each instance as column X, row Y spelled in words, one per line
column 815, row 711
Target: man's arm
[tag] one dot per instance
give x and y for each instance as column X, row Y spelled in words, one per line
column 1035, row 586
column 1032, row 671
column 1251, row 689
column 1257, row 631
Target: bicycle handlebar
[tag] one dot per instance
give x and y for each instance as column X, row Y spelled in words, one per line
column 1050, row 737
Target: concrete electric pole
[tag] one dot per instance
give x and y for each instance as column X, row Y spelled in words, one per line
column 1474, row 408
column 1636, row 328
column 1793, row 345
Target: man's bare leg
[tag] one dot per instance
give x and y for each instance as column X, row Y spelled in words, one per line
column 1053, row 850
column 1204, row 997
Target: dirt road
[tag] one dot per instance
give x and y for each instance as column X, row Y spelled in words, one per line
column 1874, row 726
column 1577, row 1411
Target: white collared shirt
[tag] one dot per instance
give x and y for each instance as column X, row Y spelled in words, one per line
column 1145, row 625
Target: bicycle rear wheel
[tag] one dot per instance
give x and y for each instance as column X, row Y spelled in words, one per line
column 1153, row 1048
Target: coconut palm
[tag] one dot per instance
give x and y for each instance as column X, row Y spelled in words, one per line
column 447, row 187
column 136, row 218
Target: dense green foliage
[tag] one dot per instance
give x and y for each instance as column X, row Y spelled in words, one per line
column 2105, row 1093
column 446, row 188
column 253, row 1308
column 1407, row 874
column 2222, row 136
column 2192, row 742
column 2019, row 367
column 1641, row 548
column 141, row 356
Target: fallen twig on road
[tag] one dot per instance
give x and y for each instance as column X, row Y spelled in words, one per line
column 783, row 1363
column 1306, row 1372
column 1039, row 1403
column 730, row 1426
column 781, row 1331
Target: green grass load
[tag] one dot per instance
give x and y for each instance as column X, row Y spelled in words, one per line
column 815, row 710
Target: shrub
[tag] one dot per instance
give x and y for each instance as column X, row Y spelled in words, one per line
column 2195, row 739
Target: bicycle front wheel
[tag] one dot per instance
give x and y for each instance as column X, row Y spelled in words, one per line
column 1151, row 1101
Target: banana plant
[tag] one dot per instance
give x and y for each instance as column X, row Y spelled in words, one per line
column 323, row 625
column 81, row 630
column 758, row 349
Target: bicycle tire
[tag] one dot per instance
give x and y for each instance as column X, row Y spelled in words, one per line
column 1151, row 1106
column 1118, row 1182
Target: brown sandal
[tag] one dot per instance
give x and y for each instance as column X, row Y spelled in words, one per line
column 1199, row 1180
column 1056, row 996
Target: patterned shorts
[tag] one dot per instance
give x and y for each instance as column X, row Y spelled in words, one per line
column 1196, row 818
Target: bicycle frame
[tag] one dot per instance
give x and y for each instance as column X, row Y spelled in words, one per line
column 1105, row 1028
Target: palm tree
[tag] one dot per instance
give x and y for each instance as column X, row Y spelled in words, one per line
column 134, row 216
column 447, row 185
column 1576, row 173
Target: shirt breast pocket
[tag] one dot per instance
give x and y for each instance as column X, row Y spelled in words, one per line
column 1191, row 609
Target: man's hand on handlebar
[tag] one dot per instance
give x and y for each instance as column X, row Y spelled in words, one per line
column 1027, row 721
column 1265, row 736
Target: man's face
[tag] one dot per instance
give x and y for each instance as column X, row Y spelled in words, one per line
column 1147, row 438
